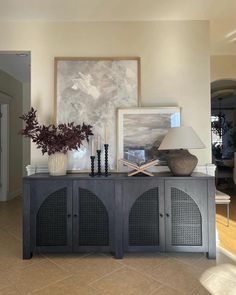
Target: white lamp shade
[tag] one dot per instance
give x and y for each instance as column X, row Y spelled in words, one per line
column 181, row 138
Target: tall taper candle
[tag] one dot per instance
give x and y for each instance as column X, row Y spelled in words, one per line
column 106, row 146
column 92, row 166
column 106, row 135
column 99, row 173
column 98, row 142
column 92, row 147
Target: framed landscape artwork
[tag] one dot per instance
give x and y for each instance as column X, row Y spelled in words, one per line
column 90, row 90
column 141, row 131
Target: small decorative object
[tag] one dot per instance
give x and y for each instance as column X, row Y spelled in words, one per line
column 106, row 146
column 99, row 173
column 92, row 166
column 92, row 158
column 181, row 162
column 99, row 166
column 140, row 169
column 57, row 164
column 91, row 89
column 56, row 141
column 141, row 130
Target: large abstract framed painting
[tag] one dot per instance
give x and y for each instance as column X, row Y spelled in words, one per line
column 90, row 90
column 141, row 131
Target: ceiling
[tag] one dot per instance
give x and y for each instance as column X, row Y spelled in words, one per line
column 116, row 10
column 16, row 65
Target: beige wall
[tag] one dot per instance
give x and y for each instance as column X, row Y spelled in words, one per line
column 223, row 67
column 13, row 88
column 222, row 36
column 175, row 63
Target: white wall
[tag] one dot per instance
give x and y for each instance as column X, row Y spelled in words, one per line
column 26, row 141
column 13, row 88
column 175, row 63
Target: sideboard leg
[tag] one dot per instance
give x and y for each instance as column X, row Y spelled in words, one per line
column 119, row 255
column 27, row 254
column 211, row 255
column 211, row 220
column 118, row 221
column 26, row 221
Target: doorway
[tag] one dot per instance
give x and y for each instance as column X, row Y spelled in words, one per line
column 14, row 100
column 223, row 128
column 4, row 145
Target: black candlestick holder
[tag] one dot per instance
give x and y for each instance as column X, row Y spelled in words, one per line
column 92, row 174
column 99, row 173
column 106, row 146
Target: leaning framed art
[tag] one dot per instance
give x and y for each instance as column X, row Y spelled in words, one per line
column 90, row 90
column 140, row 132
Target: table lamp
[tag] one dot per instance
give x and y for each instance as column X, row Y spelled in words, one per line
column 180, row 139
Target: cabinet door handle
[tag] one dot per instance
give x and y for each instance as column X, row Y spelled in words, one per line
column 68, row 215
column 75, row 215
column 167, row 215
column 161, row 215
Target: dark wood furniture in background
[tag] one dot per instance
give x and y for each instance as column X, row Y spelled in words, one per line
column 78, row 213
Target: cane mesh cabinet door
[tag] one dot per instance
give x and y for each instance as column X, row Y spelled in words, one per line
column 51, row 219
column 186, row 215
column 143, row 209
column 93, row 215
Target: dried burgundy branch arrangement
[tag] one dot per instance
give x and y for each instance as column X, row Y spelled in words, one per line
column 51, row 139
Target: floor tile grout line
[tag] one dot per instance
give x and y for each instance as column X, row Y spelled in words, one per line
column 222, row 276
column 162, row 283
column 187, row 263
column 12, row 235
column 147, row 275
column 13, row 285
column 166, row 286
column 123, row 263
column 48, row 285
column 57, row 265
column 60, row 266
column 152, row 292
column 201, row 284
column 106, row 275
column 32, row 264
column 5, row 286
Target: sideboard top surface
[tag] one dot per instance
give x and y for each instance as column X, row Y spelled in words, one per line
column 114, row 176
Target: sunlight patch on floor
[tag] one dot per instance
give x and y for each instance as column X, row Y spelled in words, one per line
column 222, row 280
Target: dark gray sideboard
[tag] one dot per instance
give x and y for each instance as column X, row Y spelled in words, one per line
column 118, row 214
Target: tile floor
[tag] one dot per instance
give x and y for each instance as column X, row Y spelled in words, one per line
column 97, row 274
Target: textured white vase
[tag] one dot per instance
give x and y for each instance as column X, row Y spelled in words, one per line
column 57, row 164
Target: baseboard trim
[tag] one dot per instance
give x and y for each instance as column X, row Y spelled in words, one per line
column 227, row 252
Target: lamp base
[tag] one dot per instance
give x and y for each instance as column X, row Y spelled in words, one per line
column 182, row 163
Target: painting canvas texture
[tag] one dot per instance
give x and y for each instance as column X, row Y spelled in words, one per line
column 91, row 91
column 142, row 133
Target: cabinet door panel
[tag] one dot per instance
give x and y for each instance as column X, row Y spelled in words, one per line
column 143, row 207
column 93, row 220
column 186, row 215
column 51, row 215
